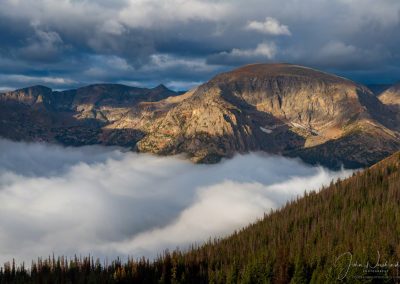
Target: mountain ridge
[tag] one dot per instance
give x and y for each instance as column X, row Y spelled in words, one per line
column 277, row 108
column 391, row 96
column 250, row 101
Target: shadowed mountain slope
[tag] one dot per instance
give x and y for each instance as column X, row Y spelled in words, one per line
column 74, row 117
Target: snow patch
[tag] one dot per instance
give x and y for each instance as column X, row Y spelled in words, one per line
column 268, row 131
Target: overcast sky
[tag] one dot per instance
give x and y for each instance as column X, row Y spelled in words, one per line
column 69, row 43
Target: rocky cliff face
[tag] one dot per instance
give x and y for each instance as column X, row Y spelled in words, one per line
column 391, row 99
column 74, row 117
column 28, row 96
column 391, row 96
column 276, row 108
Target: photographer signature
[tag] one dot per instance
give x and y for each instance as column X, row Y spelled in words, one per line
column 348, row 262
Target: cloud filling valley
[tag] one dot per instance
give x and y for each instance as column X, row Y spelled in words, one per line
column 108, row 202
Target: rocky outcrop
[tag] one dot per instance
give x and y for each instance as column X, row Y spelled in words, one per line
column 391, row 96
column 276, row 108
column 74, row 117
column 391, row 99
column 28, row 96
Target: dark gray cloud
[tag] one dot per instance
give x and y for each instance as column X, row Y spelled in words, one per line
column 182, row 43
column 107, row 203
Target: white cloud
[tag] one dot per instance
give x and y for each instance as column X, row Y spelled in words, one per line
column 165, row 61
column 193, row 30
column 107, row 203
column 103, row 65
column 29, row 80
column 113, row 27
column 339, row 54
column 263, row 49
column 150, row 13
column 338, row 49
column 261, row 52
column 43, row 46
column 220, row 209
column 270, row 26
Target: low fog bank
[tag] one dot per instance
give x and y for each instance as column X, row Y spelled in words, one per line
column 109, row 203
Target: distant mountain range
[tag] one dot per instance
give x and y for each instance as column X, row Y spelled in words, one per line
column 277, row 108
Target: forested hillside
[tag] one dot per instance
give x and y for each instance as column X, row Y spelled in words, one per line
column 320, row 238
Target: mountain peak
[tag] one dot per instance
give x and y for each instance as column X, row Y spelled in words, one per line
column 281, row 70
column 161, row 87
column 391, row 96
column 277, row 108
column 36, row 89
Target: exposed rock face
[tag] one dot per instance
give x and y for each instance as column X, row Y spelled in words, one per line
column 391, row 96
column 276, row 108
column 74, row 117
column 391, row 99
column 28, row 96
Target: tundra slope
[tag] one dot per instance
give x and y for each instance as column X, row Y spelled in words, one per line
column 278, row 108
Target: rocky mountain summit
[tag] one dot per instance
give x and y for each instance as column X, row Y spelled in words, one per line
column 391, row 96
column 277, row 108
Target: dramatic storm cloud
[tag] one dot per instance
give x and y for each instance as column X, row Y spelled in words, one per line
column 68, row 43
column 109, row 203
